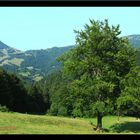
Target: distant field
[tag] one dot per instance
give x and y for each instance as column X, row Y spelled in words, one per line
column 16, row 123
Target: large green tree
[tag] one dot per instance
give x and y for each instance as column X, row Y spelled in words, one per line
column 97, row 64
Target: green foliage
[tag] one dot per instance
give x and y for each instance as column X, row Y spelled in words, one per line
column 77, row 112
column 138, row 57
column 3, row 108
column 62, row 111
column 93, row 69
column 37, row 99
column 12, row 92
column 18, row 97
column 53, row 109
column 99, row 106
column 100, row 60
column 129, row 101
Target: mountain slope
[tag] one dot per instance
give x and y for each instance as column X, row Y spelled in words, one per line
column 134, row 40
column 31, row 64
column 46, row 59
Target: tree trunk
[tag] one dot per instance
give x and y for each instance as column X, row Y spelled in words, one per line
column 99, row 122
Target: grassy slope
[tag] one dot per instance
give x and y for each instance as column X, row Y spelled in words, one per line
column 16, row 123
column 125, row 125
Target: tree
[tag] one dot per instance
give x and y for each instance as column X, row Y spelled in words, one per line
column 138, row 56
column 37, row 100
column 56, row 86
column 97, row 64
column 129, row 101
column 12, row 92
column 18, row 94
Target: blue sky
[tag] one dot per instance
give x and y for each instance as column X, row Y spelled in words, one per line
column 27, row 28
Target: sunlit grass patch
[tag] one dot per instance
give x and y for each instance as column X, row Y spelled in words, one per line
column 17, row 123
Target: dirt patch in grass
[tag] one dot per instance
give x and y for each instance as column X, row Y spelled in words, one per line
column 3, row 128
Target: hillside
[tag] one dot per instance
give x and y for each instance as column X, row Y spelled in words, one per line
column 134, row 40
column 17, row 123
column 31, row 64
column 35, row 64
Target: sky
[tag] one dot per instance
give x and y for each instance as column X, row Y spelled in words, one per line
column 32, row 28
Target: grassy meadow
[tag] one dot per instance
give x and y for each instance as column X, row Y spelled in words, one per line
column 17, row 123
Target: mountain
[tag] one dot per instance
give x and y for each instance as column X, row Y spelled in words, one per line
column 3, row 46
column 10, row 56
column 31, row 64
column 34, row 64
column 44, row 61
column 134, row 40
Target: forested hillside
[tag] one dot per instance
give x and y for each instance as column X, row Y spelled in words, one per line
column 31, row 65
column 21, row 97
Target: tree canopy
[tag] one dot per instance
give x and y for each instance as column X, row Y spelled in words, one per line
column 100, row 60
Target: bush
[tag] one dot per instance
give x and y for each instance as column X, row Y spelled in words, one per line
column 77, row 112
column 62, row 111
column 53, row 109
column 3, row 108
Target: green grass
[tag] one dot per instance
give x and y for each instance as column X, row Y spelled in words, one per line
column 125, row 125
column 17, row 123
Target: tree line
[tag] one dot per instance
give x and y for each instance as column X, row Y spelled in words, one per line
column 20, row 97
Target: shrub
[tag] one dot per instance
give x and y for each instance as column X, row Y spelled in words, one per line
column 3, row 108
column 62, row 111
